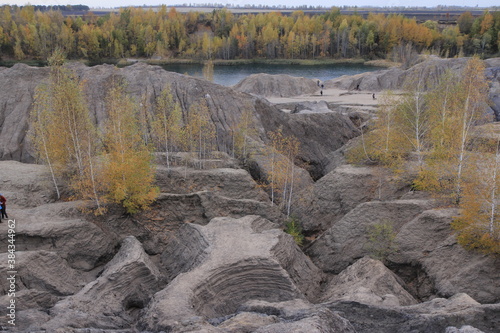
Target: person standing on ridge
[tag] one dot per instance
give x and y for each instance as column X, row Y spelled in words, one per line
column 3, row 202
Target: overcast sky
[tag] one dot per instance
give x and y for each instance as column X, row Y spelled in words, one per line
column 325, row 3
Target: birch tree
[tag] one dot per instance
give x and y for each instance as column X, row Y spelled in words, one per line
column 128, row 167
column 478, row 225
column 241, row 134
column 64, row 136
column 200, row 131
column 438, row 173
column 472, row 102
column 385, row 143
column 457, row 105
column 412, row 117
column 41, row 120
column 282, row 152
column 167, row 123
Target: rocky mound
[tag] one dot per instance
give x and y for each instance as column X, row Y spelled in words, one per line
column 26, row 185
column 228, row 182
column 49, row 228
column 39, row 286
column 111, row 301
column 311, row 130
column 240, row 260
column 347, row 239
column 368, row 281
column 394, row 78
column 144, row 82
column 294, row 316
column 425, row 255
column 340, row 191
column 426, row 240
column 311, row 107
column 282, row 85
column 156, row 271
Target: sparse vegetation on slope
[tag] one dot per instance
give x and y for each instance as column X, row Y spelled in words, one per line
column 293, row 228
column 111, row 166
column 434, row 127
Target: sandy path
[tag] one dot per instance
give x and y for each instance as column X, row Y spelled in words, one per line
column 333, row 95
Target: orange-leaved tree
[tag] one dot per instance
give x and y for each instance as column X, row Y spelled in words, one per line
column 128, row 165
column 478, row 224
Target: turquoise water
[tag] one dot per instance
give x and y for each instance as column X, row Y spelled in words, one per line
column 230, row 75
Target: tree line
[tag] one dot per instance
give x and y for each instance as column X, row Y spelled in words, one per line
column 62, row 8
column 429, row 135
column 26, row 33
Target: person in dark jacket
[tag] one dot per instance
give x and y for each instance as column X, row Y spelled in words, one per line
column 3, row 203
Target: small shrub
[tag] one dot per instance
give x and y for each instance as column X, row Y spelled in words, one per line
column 293, row 228
column 381, row 240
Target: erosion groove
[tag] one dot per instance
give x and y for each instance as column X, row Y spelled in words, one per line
column 306, row 276
column 185, row 250
column 418, row 283
column 128, row 281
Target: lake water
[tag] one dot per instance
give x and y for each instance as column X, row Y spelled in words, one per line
column 231, row 75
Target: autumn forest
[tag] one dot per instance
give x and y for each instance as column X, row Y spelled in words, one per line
column 26, row 34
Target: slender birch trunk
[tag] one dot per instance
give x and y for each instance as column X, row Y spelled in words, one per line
column 494, row 188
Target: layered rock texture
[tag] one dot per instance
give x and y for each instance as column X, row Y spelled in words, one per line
column 114, row 298
column 169, row 271
column 210, row 255
column 437, row 315
column 237, row 261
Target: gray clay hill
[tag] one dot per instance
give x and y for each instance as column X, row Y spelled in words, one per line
column 210, row 255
